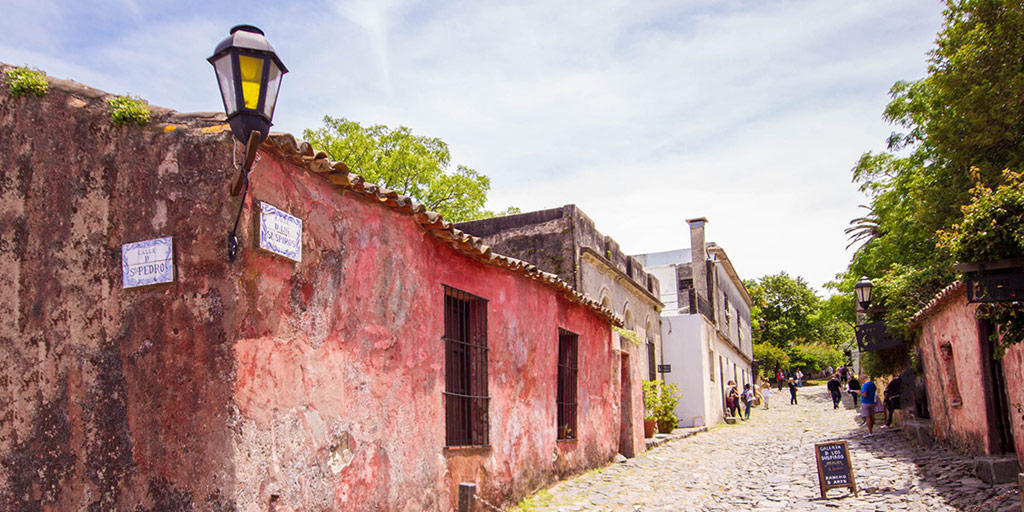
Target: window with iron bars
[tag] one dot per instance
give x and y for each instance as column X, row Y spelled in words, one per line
column 568, row 344
column 465, row 362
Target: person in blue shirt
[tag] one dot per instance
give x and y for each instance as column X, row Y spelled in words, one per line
column 867, row 403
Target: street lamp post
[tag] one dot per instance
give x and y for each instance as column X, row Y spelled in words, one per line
column 249, row 74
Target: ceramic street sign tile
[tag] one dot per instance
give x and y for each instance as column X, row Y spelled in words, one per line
column 280, row 233
column 147, row 262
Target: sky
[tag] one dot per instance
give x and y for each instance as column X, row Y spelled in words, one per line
column 642, row 113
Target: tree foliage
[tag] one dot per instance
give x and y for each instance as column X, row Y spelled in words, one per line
column 410, row 164
column 993, row 229
column 960, row 128
column 813, row 358
column 787, row 311
column 771, row 357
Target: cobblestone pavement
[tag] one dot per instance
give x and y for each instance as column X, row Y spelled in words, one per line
column 767, row 463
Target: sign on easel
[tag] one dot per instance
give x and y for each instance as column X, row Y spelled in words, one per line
column 834, row 468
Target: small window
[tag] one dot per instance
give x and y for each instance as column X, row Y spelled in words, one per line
column 711, row 365
column 568, row 344
column 949, row 364
column 465, row 339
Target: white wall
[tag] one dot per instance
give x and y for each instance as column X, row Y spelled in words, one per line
column 682, row 343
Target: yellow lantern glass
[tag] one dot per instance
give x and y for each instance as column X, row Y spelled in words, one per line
column 251, row 69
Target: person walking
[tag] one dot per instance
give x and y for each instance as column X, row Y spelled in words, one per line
column 779, row 378
column 766, row 394
column 844, row 375
column 867, row 404
column 799, row 378
column 854, row 388
column 792, row 391
column 835, row 389
column 892, row 399
column 748, row 400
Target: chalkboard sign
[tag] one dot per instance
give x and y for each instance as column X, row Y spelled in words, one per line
column 834, row 468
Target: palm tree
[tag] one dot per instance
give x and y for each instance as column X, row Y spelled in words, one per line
column 863, row 229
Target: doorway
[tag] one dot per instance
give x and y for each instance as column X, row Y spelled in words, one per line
column 1000, row 430
column 626, row 410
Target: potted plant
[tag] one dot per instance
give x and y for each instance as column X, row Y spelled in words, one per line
column 650, row 403
column 660, row 401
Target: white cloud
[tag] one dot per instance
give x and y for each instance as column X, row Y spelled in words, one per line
column 643, row 113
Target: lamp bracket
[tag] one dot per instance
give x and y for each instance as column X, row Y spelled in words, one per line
column 250, row 157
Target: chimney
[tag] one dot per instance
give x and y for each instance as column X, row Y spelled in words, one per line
column 698, row 257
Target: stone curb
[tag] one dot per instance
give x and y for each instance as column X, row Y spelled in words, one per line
column 679, row 433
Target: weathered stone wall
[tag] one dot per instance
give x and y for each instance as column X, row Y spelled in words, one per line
column 543, row 238
column 263, row 384
column 112, row 399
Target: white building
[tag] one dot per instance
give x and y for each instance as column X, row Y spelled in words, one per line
column 705, row 325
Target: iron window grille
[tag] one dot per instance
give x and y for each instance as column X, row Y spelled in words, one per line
column 466, row 397
column 568, row 345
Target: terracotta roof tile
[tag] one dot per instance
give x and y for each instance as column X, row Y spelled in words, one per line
column 338, row 173
column 941, row 298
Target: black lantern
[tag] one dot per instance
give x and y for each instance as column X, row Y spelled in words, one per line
column 863, row 290
column 249, row 73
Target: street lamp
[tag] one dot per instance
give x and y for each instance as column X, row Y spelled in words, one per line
column 863, row 289
column 249, row 73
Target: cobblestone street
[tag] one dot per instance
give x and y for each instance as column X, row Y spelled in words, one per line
column 767, row 463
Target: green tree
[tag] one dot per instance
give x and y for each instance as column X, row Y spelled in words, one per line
column 409, row 164
column 960, row 127
column 785, row 308
column 770, row 357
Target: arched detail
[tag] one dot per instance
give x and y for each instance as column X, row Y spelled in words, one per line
column 627, row 317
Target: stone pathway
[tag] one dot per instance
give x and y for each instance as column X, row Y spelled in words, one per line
column 767, row 463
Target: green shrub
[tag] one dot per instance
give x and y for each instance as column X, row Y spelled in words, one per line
column 126, row 109
column 660, row 401
column 24, row 80
column 812, row 358
column 884, row 363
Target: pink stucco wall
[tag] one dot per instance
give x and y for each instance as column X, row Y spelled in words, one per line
column 352, row 336
column 964, row 377
column 261, row 384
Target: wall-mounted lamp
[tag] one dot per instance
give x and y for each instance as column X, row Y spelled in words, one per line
column 863, row 290
column 249, row 73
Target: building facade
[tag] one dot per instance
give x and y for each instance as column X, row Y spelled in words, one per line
column 564, row 241
column 705, row 325
column 973, row 397
column 391, row 359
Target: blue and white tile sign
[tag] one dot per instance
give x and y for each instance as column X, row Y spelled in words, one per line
column 147, row 262
column 280, row 233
